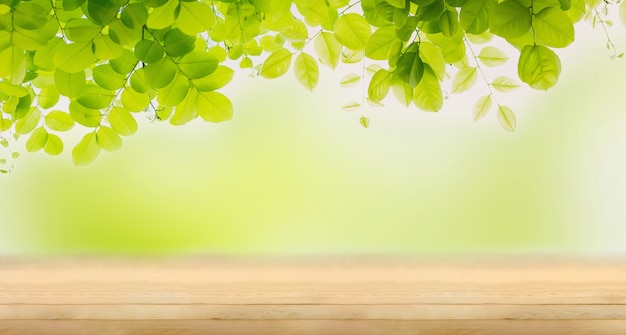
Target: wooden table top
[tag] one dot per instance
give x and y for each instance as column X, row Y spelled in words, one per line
column 311, row 296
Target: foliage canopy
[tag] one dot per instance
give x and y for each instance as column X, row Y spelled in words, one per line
column 108, row 60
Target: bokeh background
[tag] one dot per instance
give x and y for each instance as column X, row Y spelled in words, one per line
column 292, row 174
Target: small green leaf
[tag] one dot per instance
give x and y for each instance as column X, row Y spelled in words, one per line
column 198, row 64
column 172, row 94
column 86, row 151
column 364, row 121
column 163, row 16
column 276, row 64
column 410, row 68
column 475, row 15
column 70, row 85
column 5, row 124
column 464, row 79
column 449, row 22
column 504, row 84
column 87, row 117
column 352, row 30
column 492, row 56
column 177, row 43
column 382, row 42
column 95, row 97
column 29, row 15
column 553, row 27
column 135, row 101
column 48, row 97
column 148, row 51
column 218, row 79
column 125, row 63
column 427, row 94
column 159, row 74
column 26, row 124
column 59, row 121
column 74, row 57
column 37, row 140
column 482, row 107
column 510, row 19
column 379, row 85
column 108, row 139
column 134, row 15
column 539, row 67
column 306, row 70
column 107, row 78
column 214, row 106
column 401, row 90
column 195, row 17
column 349, row 80
column 328, row 49
column 122, row 121
column 12, row 89
column 506, row 118
column 351, row 106
column 54, row 145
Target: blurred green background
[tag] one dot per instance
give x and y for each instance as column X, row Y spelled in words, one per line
column 292, row 174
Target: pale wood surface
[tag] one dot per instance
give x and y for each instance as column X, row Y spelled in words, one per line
column 212, row 296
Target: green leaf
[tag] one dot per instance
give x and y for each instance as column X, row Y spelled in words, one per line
column 103, row 11
column 431, row 55
column 29, row 122
column 125, row 63
column 177, row 43
column 328, row 49
column 107, row 78
column 48, row 97
column 12, row 89
column 5, row 124
column 364, row 121
column 509, row 19
column 410, row 68
column 464, row 79
column 163, row 16
column 87, row 117
column 553, row 27
column 70, row 85
column 29, row 15
column 214, row 107
column 349, row 80
column 122, row 121
column 69, row 5
column 492, row 56
column 13, row 65
column 539, row 67
column 198, row 64
column 134, row 15
column 401, row 90
column 37, row 140
column 159, row 74
column 218, row 79
column 172, row 94
column 379, row 85
column 86, row 151
column 148, row 51
column 195, row 17
column 74, row 57
column 382, row 42
column 135, row 101
column 108, row 139
column 504, row 84
column 352, row 30
column 622, row 12
column 187, row 110
column 138, row 81
column 449, row 22
column 95, row 97
column 506, row 118
column 44, row 56
column 351, row 106
column 59, row 121
column 427, row 94
column 475, row 15
column 54, row 145
column 306, row 70
column 81, row 30
column 276, row 64
column 482, row 107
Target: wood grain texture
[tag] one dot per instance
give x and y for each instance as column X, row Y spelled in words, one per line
column 210, row 296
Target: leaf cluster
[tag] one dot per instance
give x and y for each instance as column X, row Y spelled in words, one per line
column 108, row 60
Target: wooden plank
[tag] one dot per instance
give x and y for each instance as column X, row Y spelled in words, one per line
column 189, row 296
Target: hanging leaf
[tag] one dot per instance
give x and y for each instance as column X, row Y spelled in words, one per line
column 37, row 140
column 352, row 30
column 364, row 121
column 59, row 121
column 504, row 84
column 464, row 79
column 553, row 27
column 54, row 145
column 379, row 86
column 276, row 64
column 214, row 107
column 108, row 139
column 122, row 121
column 509, row 19
column 482, row 107
column 380, row 45
column 349, row 80
column 427, row 94
column 86, row 151
column 306, row 70
column 351, row 106
column 539, row 67
column 492, row 56
column 506, row 118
